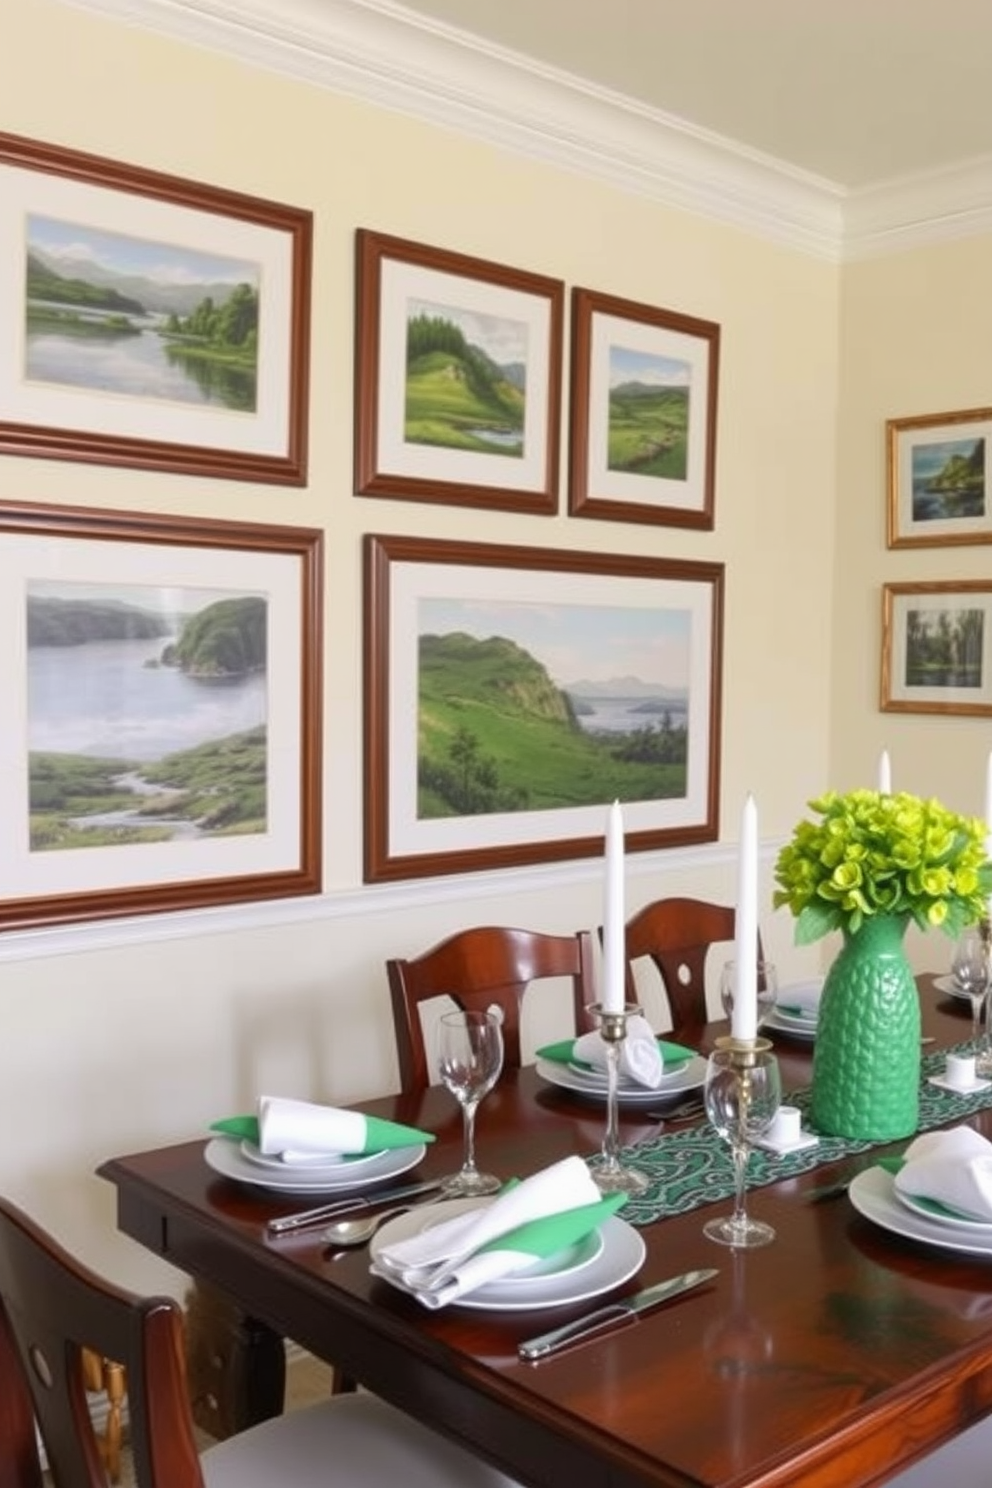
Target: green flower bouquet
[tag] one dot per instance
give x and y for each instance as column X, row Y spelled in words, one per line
column 873, row 854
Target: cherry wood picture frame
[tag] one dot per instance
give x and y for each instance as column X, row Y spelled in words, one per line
column 643, row 428
column 163, row 683
column 474, row 420
column 480, row 660
column 149, row 320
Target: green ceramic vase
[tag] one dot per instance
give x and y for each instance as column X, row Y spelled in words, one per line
column 866, row 1060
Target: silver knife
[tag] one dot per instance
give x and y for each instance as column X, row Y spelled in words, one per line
column 288, row 1224
column 607, row 1317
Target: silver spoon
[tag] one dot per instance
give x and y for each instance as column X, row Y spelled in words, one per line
column 347, row 1232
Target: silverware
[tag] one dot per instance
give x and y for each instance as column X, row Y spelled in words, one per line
column 683, row 1112
column 288, row 1224
column 609, row 1316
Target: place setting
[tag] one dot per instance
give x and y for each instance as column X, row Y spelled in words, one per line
column 939, row 1192
column 301, row 1148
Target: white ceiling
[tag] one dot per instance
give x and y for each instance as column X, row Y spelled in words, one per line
column 843, row 128
column 856, row 91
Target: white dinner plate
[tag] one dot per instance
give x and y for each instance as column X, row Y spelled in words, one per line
column 950, row 988
column 592, row 1083
column 224, row 1155
column 576, row 1276
column 800, row 1028
column 873, row 1194
column 316, row 1166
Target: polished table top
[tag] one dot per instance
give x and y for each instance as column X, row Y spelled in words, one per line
column 832, row 1356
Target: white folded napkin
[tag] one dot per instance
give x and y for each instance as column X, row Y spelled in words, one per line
column 534, row 1218
column 953, row 1168
column 641, row 1059
column 304, row 1132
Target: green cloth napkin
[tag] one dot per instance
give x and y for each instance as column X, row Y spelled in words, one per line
column 545, row 1237
column 563, row 1053
column 380, row 1135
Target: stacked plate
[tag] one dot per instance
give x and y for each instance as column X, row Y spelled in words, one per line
column 874, row 1194
column 796, row 1010
column 339, row 1175
column 951, row 988
column 581, row 1079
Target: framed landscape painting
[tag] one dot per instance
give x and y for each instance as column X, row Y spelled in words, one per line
column 644, row 408
column 160, row 739
column 937, row 648
column 150, row 321
column 458, row 370
column 512, row 693
column 937, row 468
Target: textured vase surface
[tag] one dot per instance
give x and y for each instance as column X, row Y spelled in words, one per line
column 866, row 1059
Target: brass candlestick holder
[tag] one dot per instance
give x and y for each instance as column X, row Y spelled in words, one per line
column 609, row 1173
column 743, row 1093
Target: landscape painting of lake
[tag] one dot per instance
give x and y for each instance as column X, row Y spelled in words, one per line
column 648, row 414
column 466, row 380
column 526, row 706
column 146, row 713
column 109, row 313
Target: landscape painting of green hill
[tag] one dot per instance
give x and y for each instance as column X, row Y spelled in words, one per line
column 521, row 706
column 466, row 376
column 648, row 414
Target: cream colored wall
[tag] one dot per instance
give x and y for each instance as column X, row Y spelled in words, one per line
column 130, row 1036
column 916, row 331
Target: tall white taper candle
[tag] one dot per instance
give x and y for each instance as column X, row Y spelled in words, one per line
column 613, row 998
column 884, row 774
column 744, row 1018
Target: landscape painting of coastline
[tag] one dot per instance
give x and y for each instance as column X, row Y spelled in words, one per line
column 150, row 321
column 513, row 693
column 139, row 319
column 160, row 742
column 466, row 380
column 147, row 714
column 459, row 378
column 937, row 479
column 520, row 707
column 935, row 647
column 644, row 398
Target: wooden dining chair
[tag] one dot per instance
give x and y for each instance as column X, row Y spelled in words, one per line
column 677, row 935
column 51, row 1307
column 478, row 968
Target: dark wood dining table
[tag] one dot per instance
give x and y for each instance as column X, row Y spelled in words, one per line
column 834, row 1356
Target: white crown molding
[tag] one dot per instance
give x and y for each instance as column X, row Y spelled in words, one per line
column 380, row 52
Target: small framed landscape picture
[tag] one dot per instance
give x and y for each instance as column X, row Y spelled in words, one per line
column 938, row 479
column 512, row 693
column 937, row 648
column 150, row 321
column 644, row 408
column 458, row 378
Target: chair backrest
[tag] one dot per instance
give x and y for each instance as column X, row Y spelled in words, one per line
column 677, row 934
column 51, row 1308
column 477, row 968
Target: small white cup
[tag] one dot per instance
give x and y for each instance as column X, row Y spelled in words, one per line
column 959, row 1071
column 786, row 1129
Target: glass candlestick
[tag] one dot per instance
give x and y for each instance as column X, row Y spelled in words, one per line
column 610, row 1174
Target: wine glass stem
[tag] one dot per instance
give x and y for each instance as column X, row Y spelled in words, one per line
column 468, row 1113
column 611, row 1137
column 976, row 1021
column 739, row 1154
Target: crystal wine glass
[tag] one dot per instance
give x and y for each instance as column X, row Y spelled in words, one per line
column 970, row 969
column 470, row 1058
column 767, row 986
column 743, row 1091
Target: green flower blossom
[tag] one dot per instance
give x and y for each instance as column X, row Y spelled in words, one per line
column 872, row 854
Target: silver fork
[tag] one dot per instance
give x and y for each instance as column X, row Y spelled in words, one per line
column 684, row 1112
